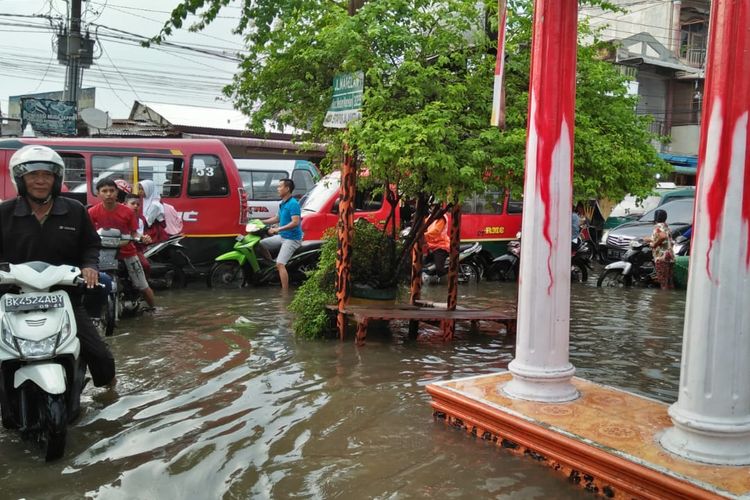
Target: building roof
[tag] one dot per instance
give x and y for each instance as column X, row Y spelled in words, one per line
column 135, row 128
column 643, row 48
column 190, row 116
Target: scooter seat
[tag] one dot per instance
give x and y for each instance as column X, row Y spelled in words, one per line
column 273, row 244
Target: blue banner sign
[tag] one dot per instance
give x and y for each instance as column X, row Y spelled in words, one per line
column 48, row 116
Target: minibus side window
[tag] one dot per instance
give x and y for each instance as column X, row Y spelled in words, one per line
column 207, row 177
column 165, row 172
column 489, row 203
column 112, row 167
column 303, row 181
column 75, row 171
column 515, row 206
column 263, row 185
column 368, row 200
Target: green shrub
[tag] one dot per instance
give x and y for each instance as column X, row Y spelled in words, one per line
column 373, row 263
column 310, row 301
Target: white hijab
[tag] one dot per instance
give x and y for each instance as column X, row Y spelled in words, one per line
column 152, row 207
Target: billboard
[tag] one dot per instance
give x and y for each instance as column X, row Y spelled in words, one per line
column 49, row 117
column 86, row 99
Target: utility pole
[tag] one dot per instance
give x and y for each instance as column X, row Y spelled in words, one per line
column 75, row 51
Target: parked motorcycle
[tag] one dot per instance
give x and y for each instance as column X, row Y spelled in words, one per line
column 41, row 372
column 581, row 253
column 241, row 266
column 470, row 266
column 635, row 268
column 507, row 266
column 168, row 263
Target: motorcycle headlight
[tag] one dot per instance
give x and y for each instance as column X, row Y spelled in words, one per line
column 38, row 348
column 7, row 335
column 605, row 234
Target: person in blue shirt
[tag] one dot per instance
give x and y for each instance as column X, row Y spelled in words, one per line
column 289, row 228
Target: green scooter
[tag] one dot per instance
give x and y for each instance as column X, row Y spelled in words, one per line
column 241, row 266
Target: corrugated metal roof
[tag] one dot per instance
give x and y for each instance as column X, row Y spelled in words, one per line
column 135, row 128
column 199, row 116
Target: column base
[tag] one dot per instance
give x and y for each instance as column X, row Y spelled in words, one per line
column 716, row 443
column 546, row 386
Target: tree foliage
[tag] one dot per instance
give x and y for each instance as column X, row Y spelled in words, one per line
column 428, row 90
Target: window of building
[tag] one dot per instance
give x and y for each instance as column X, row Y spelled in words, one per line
column 207, row 177
column 693, row 42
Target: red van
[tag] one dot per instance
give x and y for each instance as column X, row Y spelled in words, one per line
column 491, row 218
column 196, row 176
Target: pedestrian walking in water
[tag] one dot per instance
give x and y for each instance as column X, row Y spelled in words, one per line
column 662, row 250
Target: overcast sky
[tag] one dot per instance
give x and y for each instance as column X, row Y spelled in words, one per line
column 123, row 71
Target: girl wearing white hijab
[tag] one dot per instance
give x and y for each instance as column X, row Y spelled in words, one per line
column 153, row 210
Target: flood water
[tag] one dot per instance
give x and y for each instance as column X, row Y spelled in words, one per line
column 216, row 399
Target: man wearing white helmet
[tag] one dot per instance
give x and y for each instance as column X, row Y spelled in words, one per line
column 41, row 225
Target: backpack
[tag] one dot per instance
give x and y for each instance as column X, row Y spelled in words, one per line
column 172, row 219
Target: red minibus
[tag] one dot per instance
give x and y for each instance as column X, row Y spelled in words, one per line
column 491, row 218
column 196, row 176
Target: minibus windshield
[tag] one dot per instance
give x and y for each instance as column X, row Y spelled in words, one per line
column 316, row 199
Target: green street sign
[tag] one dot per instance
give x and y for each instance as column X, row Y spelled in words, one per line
column 346, row 103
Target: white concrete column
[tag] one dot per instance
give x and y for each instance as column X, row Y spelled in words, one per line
column 712, row 414
column 541, row 369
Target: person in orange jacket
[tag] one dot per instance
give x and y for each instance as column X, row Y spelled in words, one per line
column 438, row 243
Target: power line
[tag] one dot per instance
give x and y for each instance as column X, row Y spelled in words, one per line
column 119, row 72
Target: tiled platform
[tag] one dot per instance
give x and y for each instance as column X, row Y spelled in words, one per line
column 606, row 440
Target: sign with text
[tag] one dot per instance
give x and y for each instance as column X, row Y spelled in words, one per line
column 347, row 100
column 48, row 116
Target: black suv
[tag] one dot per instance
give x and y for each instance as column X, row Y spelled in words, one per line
column 679, row 218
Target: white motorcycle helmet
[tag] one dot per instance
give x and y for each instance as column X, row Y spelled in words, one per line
column 32, row 158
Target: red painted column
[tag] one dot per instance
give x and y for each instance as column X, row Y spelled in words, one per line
column 712, row 414
column 541, row 369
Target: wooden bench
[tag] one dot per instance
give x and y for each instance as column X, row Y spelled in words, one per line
column 426, row 312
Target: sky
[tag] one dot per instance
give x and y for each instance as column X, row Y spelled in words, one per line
column 123, row 72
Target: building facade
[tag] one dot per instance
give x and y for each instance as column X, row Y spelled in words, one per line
column 662, row 45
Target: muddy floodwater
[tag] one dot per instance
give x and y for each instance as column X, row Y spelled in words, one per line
column 217, row 399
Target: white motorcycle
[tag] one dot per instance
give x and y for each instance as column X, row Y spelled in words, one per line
column 41, row 371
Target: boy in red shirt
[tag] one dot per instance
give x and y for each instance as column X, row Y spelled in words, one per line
column 110, row 214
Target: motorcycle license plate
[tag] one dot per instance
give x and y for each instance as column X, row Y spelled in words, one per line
column 615, row 254
column 14, row 303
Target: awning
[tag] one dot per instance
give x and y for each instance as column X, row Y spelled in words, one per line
column 685, row 165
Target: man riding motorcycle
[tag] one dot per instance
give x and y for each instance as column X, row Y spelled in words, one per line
column 40, row 225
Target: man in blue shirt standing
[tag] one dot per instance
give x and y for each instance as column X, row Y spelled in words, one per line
column 289, row 219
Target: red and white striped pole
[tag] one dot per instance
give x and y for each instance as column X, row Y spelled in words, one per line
column 541, row 369
column 712, row 414
column 498, row 92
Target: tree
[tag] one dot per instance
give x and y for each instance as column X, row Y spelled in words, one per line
column 428, row 83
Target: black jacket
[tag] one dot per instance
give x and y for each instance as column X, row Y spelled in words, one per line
column 66, row 237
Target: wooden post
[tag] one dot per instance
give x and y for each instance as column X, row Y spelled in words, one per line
column 415, row 292
column 449, row 325
column 345, row 233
